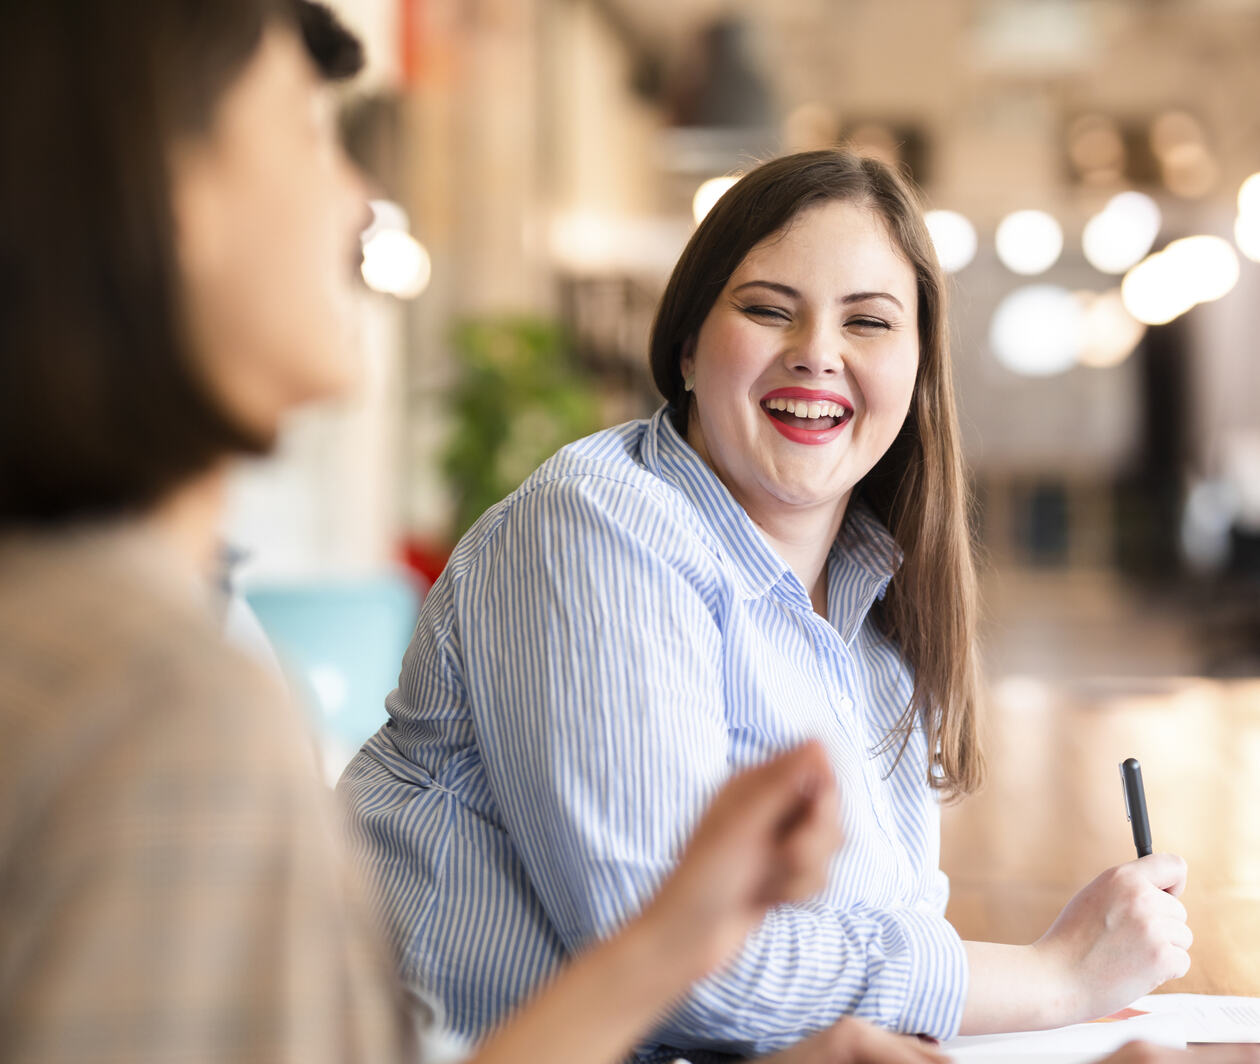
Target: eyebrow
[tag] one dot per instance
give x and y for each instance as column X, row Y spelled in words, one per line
column 792, row 293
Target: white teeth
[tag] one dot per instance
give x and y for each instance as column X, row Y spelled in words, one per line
column 804, row 408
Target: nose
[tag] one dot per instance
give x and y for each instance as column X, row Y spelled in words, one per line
column 817, row 352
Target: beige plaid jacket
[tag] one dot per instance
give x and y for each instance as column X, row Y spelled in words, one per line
column 171, row 883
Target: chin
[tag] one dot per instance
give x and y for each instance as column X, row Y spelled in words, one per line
column 337, row 380
column 333, row 362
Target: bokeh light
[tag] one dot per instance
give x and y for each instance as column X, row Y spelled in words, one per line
column 1249, row 196
column 1096, row 148
column 396, row 263
column 1193, row 270
column 1038, row 330
column 1247, row 224
column 708, row 194
column 1152, row 291
column 1029, row 242
column 1119, row 235
column 1187, row 165
column 1111, row 333
column 954, row 238
column 1208, row 264
column 1174, row 130
column 1247, row 235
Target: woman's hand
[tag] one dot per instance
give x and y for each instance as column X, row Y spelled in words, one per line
column 851, row 1041
column 766, row 839
column 1120, row 937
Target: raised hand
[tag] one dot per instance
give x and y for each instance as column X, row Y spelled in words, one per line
column 766, row 839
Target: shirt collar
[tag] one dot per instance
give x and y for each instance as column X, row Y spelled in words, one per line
column 756, row 567
column 862, row 561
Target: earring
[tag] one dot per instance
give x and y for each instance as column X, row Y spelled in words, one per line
column 689, row 383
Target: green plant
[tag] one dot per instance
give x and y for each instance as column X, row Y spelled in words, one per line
column 520, row 394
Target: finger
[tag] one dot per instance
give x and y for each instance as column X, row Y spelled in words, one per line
column 875, row 1046
column 1167, row 871
column 807, row 791
column 816, row 832
column 819, row 802
column 758, row 799
column 1144, row 1053
column 799, row 865
column 803, row 856
column 1174, row 962
column 1232, row 1054
column 1177, row 934
column 1168, row 907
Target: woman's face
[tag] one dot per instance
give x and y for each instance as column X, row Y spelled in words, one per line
column 805, row 365
column 267, row 213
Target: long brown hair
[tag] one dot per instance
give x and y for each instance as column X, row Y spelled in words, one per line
column 918, row 488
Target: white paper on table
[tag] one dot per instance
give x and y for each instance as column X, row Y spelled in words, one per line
column 1077, row 1044
column 1208, row 1017
column 1167, row 1020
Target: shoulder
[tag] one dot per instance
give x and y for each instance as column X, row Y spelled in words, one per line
column 106, row 676
column 599, row 489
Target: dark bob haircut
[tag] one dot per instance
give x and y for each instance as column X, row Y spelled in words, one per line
column 102, row 410
column 918, row 487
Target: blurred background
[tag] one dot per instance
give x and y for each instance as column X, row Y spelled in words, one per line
column 538, row 165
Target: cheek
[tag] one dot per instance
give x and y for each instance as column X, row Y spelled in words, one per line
column 888, row 385
column 729, row 355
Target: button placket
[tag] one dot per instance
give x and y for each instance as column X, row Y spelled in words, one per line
column 858, row 734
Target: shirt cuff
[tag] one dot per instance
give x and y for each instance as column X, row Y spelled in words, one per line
column 938, row 976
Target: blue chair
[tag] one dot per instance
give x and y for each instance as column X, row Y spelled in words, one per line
column 341, row 644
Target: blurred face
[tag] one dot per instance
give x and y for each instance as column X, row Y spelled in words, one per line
column 805, row 365
column 267, row 212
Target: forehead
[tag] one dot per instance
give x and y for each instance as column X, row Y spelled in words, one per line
column 278, row 81
column 831, row 243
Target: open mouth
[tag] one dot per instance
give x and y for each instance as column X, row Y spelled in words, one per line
column 807, row 415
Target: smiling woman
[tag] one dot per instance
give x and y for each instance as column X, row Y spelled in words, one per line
column 883, row 297
column 780, row 553
column 823, row 361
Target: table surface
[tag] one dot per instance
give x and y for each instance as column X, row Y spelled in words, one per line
column 1052, row 814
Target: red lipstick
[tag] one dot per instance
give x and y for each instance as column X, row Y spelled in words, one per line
column 795, row 433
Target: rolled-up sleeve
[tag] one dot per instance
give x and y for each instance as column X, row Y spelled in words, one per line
column 803, row 968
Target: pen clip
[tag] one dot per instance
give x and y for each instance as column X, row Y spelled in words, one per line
column 1124, row 786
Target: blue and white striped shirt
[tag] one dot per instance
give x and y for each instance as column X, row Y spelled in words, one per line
column 605, row 647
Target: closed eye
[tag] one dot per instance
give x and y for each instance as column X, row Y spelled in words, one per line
column 766, row 313
column 869, row 323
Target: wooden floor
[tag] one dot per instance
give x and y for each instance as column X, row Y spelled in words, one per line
column 1052, row 815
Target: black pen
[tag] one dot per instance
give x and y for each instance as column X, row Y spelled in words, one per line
column 1135, row 805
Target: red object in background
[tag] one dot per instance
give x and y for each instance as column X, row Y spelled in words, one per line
column 426, row 558
column 409, row 23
